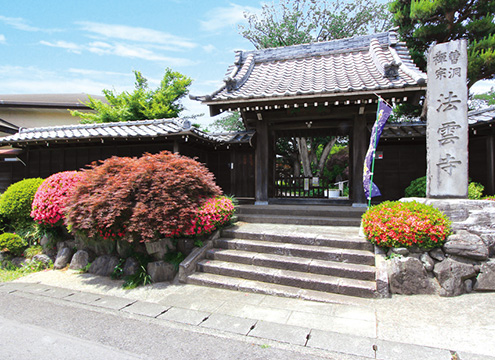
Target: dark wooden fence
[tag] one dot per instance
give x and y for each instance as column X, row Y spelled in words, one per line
column 304, row 187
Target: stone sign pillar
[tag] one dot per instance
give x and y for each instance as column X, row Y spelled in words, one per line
column 447, row 125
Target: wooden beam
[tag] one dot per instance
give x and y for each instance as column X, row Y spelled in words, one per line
column 261, row 163
column 359, row 145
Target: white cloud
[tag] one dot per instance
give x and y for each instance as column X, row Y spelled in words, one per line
column 72, row 47
column 98, row 73
column 2, row 39
column 482, row 86
column 22, row 24
column 221, row 17
column 209, row 48
column 136, row 52
column 137, row 34
column 32, row 80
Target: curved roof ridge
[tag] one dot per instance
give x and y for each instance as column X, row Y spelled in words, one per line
column 317, row 48
column 102, row 125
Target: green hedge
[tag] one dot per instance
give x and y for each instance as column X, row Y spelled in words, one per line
column 12, row 243
column 16, row 201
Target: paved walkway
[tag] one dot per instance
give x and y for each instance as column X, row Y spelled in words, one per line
column 404, row 327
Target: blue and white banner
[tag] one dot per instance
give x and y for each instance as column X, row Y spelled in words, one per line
column 382, row 115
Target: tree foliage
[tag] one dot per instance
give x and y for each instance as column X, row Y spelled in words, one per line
column 424, row 22
column 292, row 22
column 488, row 97
column 230, row 123
column 141, row 104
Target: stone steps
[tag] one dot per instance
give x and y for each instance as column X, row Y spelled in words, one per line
column 321, row 267
column 343, row 237
column 305, row 251
column 230, row 273
column 300, row 215
column 225, row 282
column 290, row 260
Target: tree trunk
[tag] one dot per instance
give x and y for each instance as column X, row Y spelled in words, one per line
column 303, row 151
column 324, row 155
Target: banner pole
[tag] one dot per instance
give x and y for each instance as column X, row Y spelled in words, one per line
column 374, row 151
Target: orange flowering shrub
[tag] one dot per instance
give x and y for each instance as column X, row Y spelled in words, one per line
column 139, row 199
column 50, row 198
column 405, row 224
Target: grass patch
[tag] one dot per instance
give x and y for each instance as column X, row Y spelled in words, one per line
column 10, row 272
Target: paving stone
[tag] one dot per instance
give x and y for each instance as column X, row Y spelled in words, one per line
column 59, row 293
column 146, row 309
column 185, row 316
column 342, row 343
column 333, row 323
column 13, row 286
column 389, row 350
column 229, row 323
column 354, row 312
column 469, row 356
column 254, row 312
column 112, row 302
column 83, row 298
column 281, row 332
column 36, row 289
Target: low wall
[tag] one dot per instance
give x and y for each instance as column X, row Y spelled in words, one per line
column 465, row 263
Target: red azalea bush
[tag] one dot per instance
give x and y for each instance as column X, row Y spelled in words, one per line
column 51, row 196
column 139, row 199
column 214, row 213
column 405, row 224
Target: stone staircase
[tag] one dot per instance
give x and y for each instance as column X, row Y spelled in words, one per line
column 300, row 261
column 301, row 214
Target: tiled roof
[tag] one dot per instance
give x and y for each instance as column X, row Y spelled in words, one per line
column 362, row 63
column 122, row 130
column 417, row 129
column 478, row 117
column 65, row 101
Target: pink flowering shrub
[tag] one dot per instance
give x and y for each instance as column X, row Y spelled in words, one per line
column 214, row 213
column 491, row 198
column 405, row 224
column 51, row 196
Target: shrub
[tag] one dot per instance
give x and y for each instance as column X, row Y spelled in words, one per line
column 405, row 224
column 16, row 201
column 12, row 243
column 475, row 191
column 32, row 251
column 214, row 213
column 139, row 198
column 417, row 188
column 50, row 199
column 489, row 197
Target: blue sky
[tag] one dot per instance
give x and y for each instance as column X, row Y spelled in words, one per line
column 69, row 46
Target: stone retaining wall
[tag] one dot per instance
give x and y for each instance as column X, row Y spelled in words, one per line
column 465, row 263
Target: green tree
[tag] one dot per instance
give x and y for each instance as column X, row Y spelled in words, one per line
column 141, row 104
column 230, row 123
column 488, row 97
column 292, row 22
column 424, row 22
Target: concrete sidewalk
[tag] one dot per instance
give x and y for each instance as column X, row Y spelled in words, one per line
column 404, row 327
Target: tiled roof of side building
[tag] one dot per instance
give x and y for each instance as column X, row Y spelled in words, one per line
column 361, row 63
column 120, row 130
